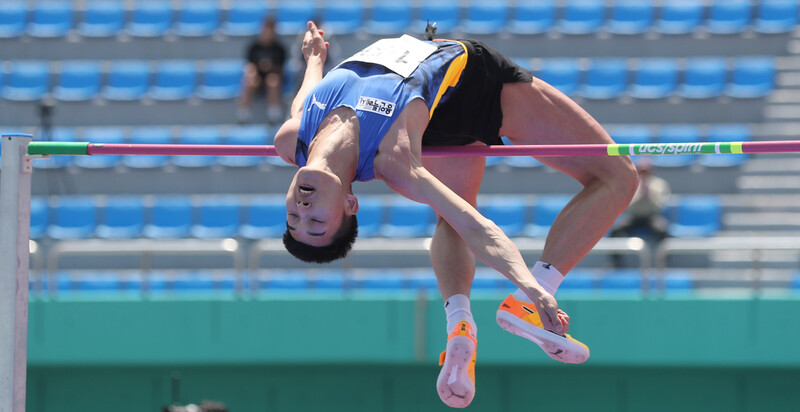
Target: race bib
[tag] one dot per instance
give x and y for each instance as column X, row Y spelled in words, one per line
column 373, row 105
column 401, row 55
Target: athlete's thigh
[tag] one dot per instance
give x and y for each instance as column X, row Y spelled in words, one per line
column 462, row 175
column 536, row 113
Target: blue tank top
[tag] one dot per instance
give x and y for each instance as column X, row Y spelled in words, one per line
column 378, row 95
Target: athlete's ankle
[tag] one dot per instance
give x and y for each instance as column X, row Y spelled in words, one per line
column 547, row 276
column 457, row 309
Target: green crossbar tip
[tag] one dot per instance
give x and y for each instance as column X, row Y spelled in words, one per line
column 58, row 148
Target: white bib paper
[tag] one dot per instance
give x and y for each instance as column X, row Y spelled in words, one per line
column 401, row 55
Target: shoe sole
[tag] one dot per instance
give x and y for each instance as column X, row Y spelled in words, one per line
column 556, row 346
column 455, row 387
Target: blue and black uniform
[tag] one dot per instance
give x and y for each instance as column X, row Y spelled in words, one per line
column 460, row 82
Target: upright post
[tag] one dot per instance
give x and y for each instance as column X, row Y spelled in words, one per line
column 15, row 216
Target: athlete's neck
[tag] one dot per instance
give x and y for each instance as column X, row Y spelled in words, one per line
column 335, row 147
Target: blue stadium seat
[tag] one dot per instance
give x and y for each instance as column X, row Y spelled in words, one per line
column 696, row 216
column 445, row 13
column 582, row 16
column 776, row 16
column 197, row 18
column 218, row 217
column 52, row 18
column 577, row 281
column 197, row 135
column 563, row 74
column 95, row 282
column 13, row 18
column 78, row 81
column 370, row 217
column 545, row 210
column 672, row 280
column 40, row 217
column 753, row 77
column 101, row 134
column 422, row 280
column 148, row 135
column 264, row 217
column 292, row 16
column 221, row 79
column 679, row 17
column 174, row 80
column 196, row 281
column 150, row 18
column 796, row 282
column 407, row 219
column 343, row 17
column 329, row 281
column 389, row 18
column 74, row 218
column 677, row 134
column 727, row 133
column 385, row 280
column 728, row 16
column 514, row 161
column 654, row 79
column 27, row 81
column 630, row 134
column 532, row 17
column 703, row 78
column 508, row 213
column 57, row 134
column 487, row 279
column 285, row 281
column 170, row 218
column 102, row 18
column 246, row 135
column 244, row 18
column 605, row 79
column 621, row 280
column 485, row 17
column 127, row 80
column 122, row 218
column 630, row 17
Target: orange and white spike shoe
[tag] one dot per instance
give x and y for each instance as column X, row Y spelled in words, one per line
column 456, row 382
column 521, row 319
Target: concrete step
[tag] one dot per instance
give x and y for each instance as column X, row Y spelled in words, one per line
column 778, row 184
column 777, row 221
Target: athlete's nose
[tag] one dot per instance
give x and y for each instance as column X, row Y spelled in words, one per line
column 301, row 203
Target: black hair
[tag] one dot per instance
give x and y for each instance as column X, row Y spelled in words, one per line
column 341, row 244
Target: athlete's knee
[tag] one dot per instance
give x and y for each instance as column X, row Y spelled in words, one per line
column 624, row 178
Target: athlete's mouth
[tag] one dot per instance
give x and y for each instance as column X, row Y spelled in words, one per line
column 306, row 190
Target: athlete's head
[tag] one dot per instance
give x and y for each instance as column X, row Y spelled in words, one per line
column 321, row 223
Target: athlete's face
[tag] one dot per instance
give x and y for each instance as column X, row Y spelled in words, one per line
column 315, row 204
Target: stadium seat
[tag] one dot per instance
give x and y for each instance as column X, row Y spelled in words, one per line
column 148, row 135
column 728, row 16
column 672, row 280
column 485, row 17
column 93, row 282
column 150, row 18
column 654, row 79
column 582, row 16
column 264, row 217
column 13, row 18
column 343, row 17
column 370, row 217
column 753, row 77
column 445, row 13
column 174, row 80
column 218, row 217
column 487, row 279
column 577, row 281
column 328, row 281
column 630, row 17
column 244, row 18
column 40, row 217
column 776, row 16
column 100, row 134
column 545, row 211
column 57, row 134
column 197, row 18
column 677, row 133
column 221, row 79
column 514, row 161
column 389, row 18
column 284, row 281
column 630, row 134
column 563, row 74
column 102, row 19
column 122, row 218
column 422, row 280
column 127, row 80
column 246, row 135
column 621, row 280
column 796, row 282
column 696, row 216
column 508, row 213
column 73, row 218
column 197, row 135
column 703, row 78
column 408, row 219
column 385, row 280
column 532, row 17
column 170, row 218
column 727, row 133
column 679, row 17
column 292, row 16
column 77, row 81
column 52, row 18
column 27, row 81
column 605, row 79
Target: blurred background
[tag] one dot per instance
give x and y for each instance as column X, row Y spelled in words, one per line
column 160, row 281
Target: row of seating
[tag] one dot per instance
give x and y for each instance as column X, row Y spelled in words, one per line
column 169, row 80
column 125, row 217
column 57, row 18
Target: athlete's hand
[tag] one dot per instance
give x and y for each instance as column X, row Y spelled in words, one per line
column 314, row 45
column 553, row 318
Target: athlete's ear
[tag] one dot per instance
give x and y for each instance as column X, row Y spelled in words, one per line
column 350, row 204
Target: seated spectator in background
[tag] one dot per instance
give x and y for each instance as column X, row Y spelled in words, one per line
column 263, row 71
